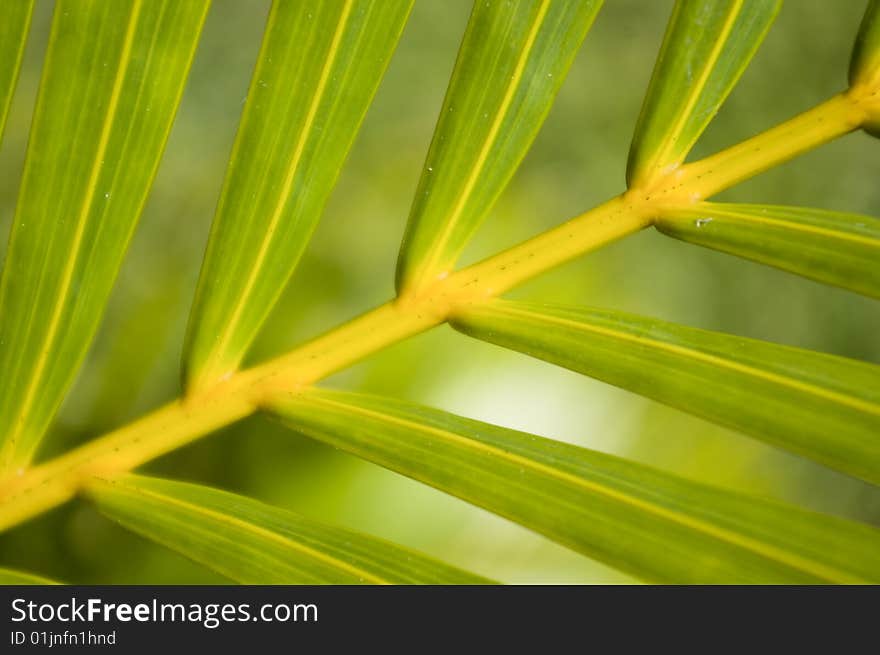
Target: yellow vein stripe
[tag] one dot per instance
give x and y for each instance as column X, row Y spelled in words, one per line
column 286, row 187
column 88, row 201
column 492, row 136
column 745, row 369
column 794, row 225
column 483, row 448
column 252, row 528
column 697, row 89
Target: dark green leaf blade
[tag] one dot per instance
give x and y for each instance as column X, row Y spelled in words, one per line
column 112, row 80
column 14, row 577
column 652, row 524
column 14, row 26
column 319, row 67
column 830, row 247
column 254, row 543
column 511, row 64
column 707, row 47
column 823, row 407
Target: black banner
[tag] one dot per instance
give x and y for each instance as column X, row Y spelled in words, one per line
column 547, row 619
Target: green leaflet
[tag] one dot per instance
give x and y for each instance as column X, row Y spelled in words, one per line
column 864, row 67
column 512, row 61
column 112, row 79
column 13, row 577
column 865, row 62
column 831, row 247
column 14, row 25
column 707, row 47
column 652, row 524
column 820, row 406
column 254, row 543
column 319, row 67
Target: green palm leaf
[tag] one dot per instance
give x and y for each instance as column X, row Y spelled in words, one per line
column 649, row 523
column 254, row 543
column 319, row 67
column 112, row 79
column 864, row 68
column 831, row 247
column 865, row 62
column 820, row 406
column 707, row 47
column 14, row 28
column 512, row 61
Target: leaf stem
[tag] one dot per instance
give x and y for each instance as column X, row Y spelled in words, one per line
column 28, row 493
column 833, row 118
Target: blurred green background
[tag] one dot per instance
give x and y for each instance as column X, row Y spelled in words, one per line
column 577, row 161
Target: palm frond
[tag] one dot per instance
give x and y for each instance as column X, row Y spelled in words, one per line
column 831, row 247
column 254, row 543
column 652, row 524
column 511, row 64
column 818, row 405
column 112, row 80
column 319, row 67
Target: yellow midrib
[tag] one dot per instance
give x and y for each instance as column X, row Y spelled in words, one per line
column 286, row 187
column 481, row 447
column 254, row 529
column 431, row 259
column 745, row 369
column 88, row 200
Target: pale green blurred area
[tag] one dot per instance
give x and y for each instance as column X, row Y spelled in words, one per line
column 577, row 161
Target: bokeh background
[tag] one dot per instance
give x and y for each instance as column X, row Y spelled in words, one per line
column 577, row 161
